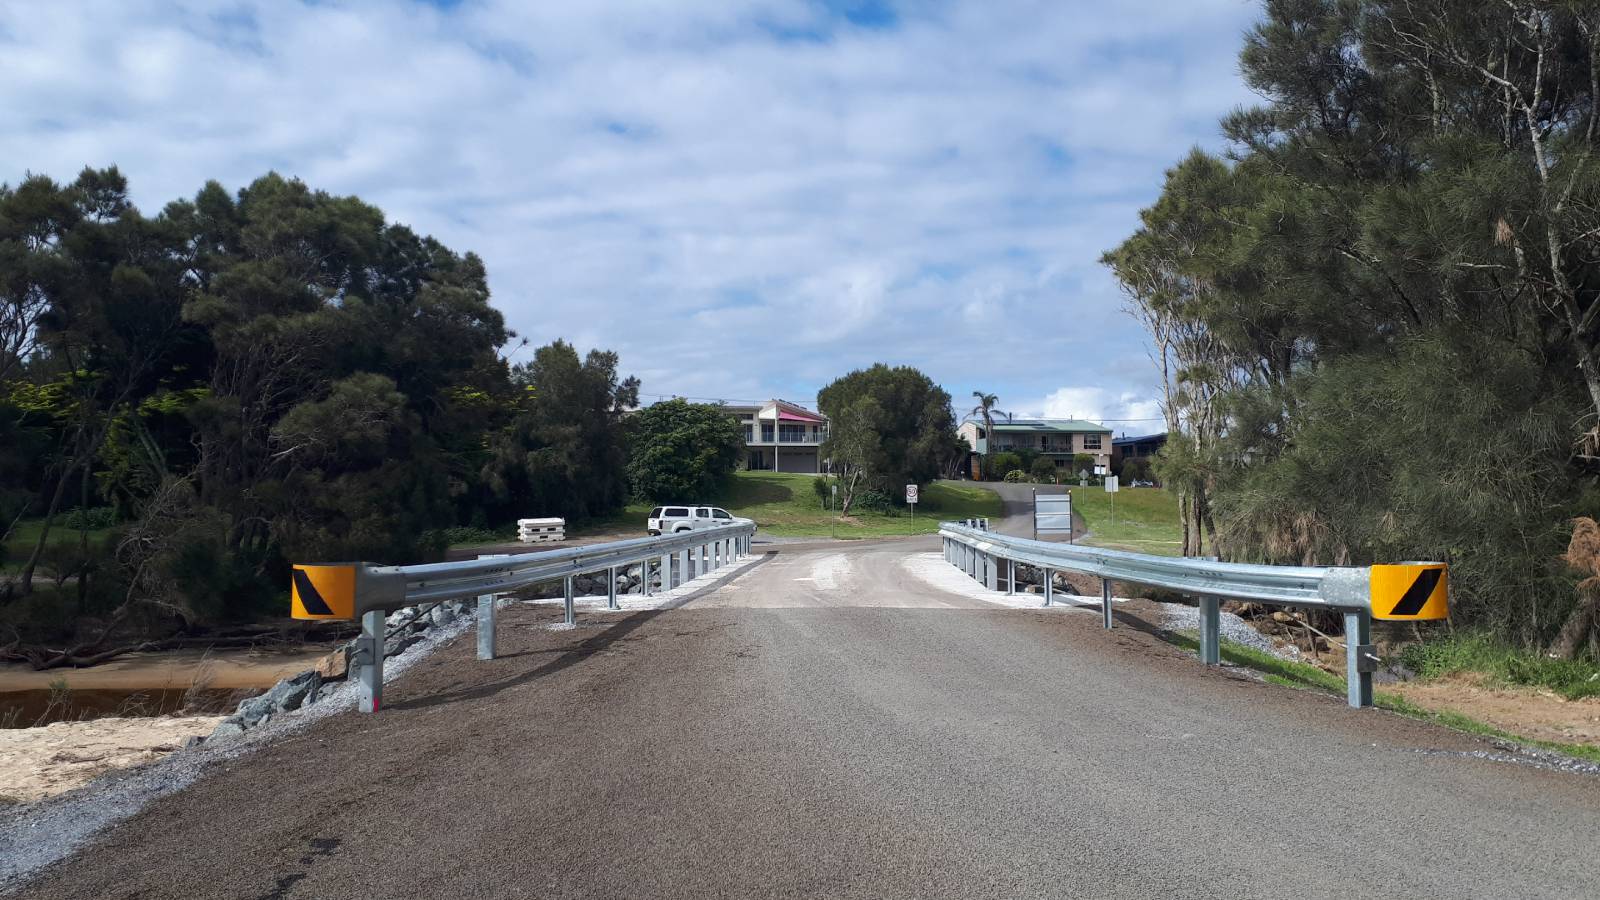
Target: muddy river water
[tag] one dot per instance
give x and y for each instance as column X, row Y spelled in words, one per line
column 147, row 684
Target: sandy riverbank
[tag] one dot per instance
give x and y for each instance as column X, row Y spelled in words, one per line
column 36, row 763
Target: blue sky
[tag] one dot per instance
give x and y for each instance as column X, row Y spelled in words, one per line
column 744, row 199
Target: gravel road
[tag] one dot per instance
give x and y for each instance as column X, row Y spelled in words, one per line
column 877, row 739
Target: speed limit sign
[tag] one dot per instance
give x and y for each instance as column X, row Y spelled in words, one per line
column 911, row 494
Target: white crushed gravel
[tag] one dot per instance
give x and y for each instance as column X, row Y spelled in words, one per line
column 1176, row 617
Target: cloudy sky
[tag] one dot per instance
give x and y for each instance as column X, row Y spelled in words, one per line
column 745, row 198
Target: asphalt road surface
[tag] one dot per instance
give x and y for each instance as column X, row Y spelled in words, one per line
column 827, row 725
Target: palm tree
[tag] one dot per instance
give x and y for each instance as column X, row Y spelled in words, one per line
column 985, row 408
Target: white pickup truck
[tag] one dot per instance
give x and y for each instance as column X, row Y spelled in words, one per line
column 676, row 519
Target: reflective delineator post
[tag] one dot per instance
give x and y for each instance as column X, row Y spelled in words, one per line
column 369, row 694
column 644, row 577
column 611, row 588
column 1105, row 601
column 1358, row 668
column 1210, row 631
column 486, row 610
column 566, row 592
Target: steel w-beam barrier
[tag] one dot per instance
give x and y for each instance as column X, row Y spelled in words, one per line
column 1405, row 591
column 367, row 592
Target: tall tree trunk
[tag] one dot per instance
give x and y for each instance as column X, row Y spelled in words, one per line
column 25, row 580
column 1580, row 624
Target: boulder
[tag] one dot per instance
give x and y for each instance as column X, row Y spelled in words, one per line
column 399, row 644
column 290, row 694
column 442, row 615
column 252, row 710
column 192, row 741
column 227, row 728
column 335, row 665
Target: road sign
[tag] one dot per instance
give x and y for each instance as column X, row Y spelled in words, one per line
column 1411, row 592
column 1111, row 484
column 323, row 592
column 911, row 494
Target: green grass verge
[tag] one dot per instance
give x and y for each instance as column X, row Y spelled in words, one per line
column 1308, row 677
column 1143, row 520
column 1479, row 652
column 786, row 505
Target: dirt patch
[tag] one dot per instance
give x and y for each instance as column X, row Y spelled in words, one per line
column 36, row 763
column 1529, row 712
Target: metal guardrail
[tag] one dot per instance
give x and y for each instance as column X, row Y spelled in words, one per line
column 368, row 592
column 1407, row 591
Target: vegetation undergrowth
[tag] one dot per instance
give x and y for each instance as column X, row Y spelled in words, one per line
column 1306, row 676
column 1478, row 652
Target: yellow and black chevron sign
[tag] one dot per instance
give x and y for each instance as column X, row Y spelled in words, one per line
column 1411, row 591
column 323, row 592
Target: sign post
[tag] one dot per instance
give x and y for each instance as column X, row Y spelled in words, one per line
column 911, row 499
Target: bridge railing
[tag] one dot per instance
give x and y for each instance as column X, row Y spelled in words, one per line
column 1407, row 591
column 368, row 592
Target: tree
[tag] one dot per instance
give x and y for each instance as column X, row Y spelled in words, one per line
column 853, row 447
column 680, row 451
column 564, row 453
column 985, row 410
column 911, row 420
column 1377, row 318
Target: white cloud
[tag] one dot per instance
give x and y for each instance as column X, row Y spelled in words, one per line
column 744, row 199
column 1128, row 411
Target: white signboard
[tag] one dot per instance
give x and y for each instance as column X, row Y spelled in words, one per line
column 911, row 494
column 1052, row 514
column 1111, row 484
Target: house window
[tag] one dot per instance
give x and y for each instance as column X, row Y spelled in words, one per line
column 749, row 432
column 1091, row 442
column 766, row 432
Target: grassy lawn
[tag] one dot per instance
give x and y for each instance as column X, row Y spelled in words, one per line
column 786, row 505
column 26, row 534
column 1144, row 520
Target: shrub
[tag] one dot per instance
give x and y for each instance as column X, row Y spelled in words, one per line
column 1004, row 461
column 1043, row 471
column 95, row 517
column 873, row 501
column 1016, row 476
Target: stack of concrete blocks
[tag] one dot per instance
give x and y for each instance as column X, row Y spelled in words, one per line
column 541, row 531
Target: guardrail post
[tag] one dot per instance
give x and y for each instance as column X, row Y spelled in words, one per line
column 1105, row 601
column 1358, row 661
column 1011, row 577
column 644, row 577
column 991, row 571
column 1210, row 631
column 611, row 588
column 685, row 567
column 566, row 591
column 486, row 611
column 666, row 572
column 1049, row 586
column 369, row 694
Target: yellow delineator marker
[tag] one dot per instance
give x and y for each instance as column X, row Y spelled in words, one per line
column 1411, row 592
column 323, row 592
